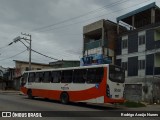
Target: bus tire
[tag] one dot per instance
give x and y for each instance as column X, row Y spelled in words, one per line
column 29, row 93
column 64, row 98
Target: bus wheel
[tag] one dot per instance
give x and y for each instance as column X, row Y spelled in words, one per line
column 29, row 93
column 64, row 98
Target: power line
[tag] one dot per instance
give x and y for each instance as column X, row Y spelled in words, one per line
column 88, row 13
column 92, row 18
column 28, row 48
column 41, row 53
column 59, row 49
column 13, row 55
column 106, row 14
column 75, row 23
column 44, row 55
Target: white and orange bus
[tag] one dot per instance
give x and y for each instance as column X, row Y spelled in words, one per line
column 95, row 84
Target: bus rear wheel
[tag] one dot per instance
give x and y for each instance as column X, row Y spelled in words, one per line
column 29, row 93
column 64, row 98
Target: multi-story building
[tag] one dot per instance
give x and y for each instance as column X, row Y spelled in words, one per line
column 138, row 51
column 135, row 47
column 99, row 40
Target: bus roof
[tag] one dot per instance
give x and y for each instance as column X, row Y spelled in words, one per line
column 68, row 68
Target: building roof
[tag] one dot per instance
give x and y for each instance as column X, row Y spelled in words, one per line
column 149, row 6
column 62, row 61
column 31, row 62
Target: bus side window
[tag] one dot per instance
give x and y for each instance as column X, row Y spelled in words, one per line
column 99, row 75
column 55, row 76
column 47, row 76
column 79, row 75
column 66, row 76
column 31, row 77
column 41, row 77
column 94, row 75
column 37, row 77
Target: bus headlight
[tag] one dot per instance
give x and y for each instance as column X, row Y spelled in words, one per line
column 108, row 91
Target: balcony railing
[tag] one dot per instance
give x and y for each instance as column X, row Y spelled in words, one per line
column 92, row 45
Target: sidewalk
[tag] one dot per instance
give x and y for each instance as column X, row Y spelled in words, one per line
column 109, row 105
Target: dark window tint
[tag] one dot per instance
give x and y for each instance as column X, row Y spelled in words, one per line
column 31, row 77
column 39, row 77
column 47, row 77
column 124, row 65
column 66, row 76
column 55, row 76
column 80, row 76
column 94, row 75
column 116, row 74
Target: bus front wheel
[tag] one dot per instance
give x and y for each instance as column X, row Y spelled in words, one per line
column 29, row 93
column 64, row 98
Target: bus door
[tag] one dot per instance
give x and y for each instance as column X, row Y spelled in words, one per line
column 23, row 82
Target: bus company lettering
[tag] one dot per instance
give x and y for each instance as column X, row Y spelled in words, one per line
column 65, row 87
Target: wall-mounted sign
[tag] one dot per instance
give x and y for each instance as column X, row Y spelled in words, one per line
column 94, row 60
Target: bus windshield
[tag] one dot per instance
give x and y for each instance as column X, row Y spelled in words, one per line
column 24, row 79
column 116, row 74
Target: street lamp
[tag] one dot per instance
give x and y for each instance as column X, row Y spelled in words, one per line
column 16, row 39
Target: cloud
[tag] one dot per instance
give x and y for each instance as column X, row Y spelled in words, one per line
column 61, row 41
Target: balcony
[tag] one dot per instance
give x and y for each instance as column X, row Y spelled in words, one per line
column 95, row 44
column 92, row 45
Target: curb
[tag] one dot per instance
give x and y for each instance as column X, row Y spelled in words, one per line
column 10, row 92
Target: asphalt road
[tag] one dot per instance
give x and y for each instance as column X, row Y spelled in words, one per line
column 20, row 103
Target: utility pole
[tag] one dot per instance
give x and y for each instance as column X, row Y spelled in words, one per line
column 28, row 41
column 29, row 47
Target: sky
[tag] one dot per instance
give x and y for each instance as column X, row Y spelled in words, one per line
column 55, row 26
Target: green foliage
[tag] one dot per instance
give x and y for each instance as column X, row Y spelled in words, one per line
column 133, row 104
